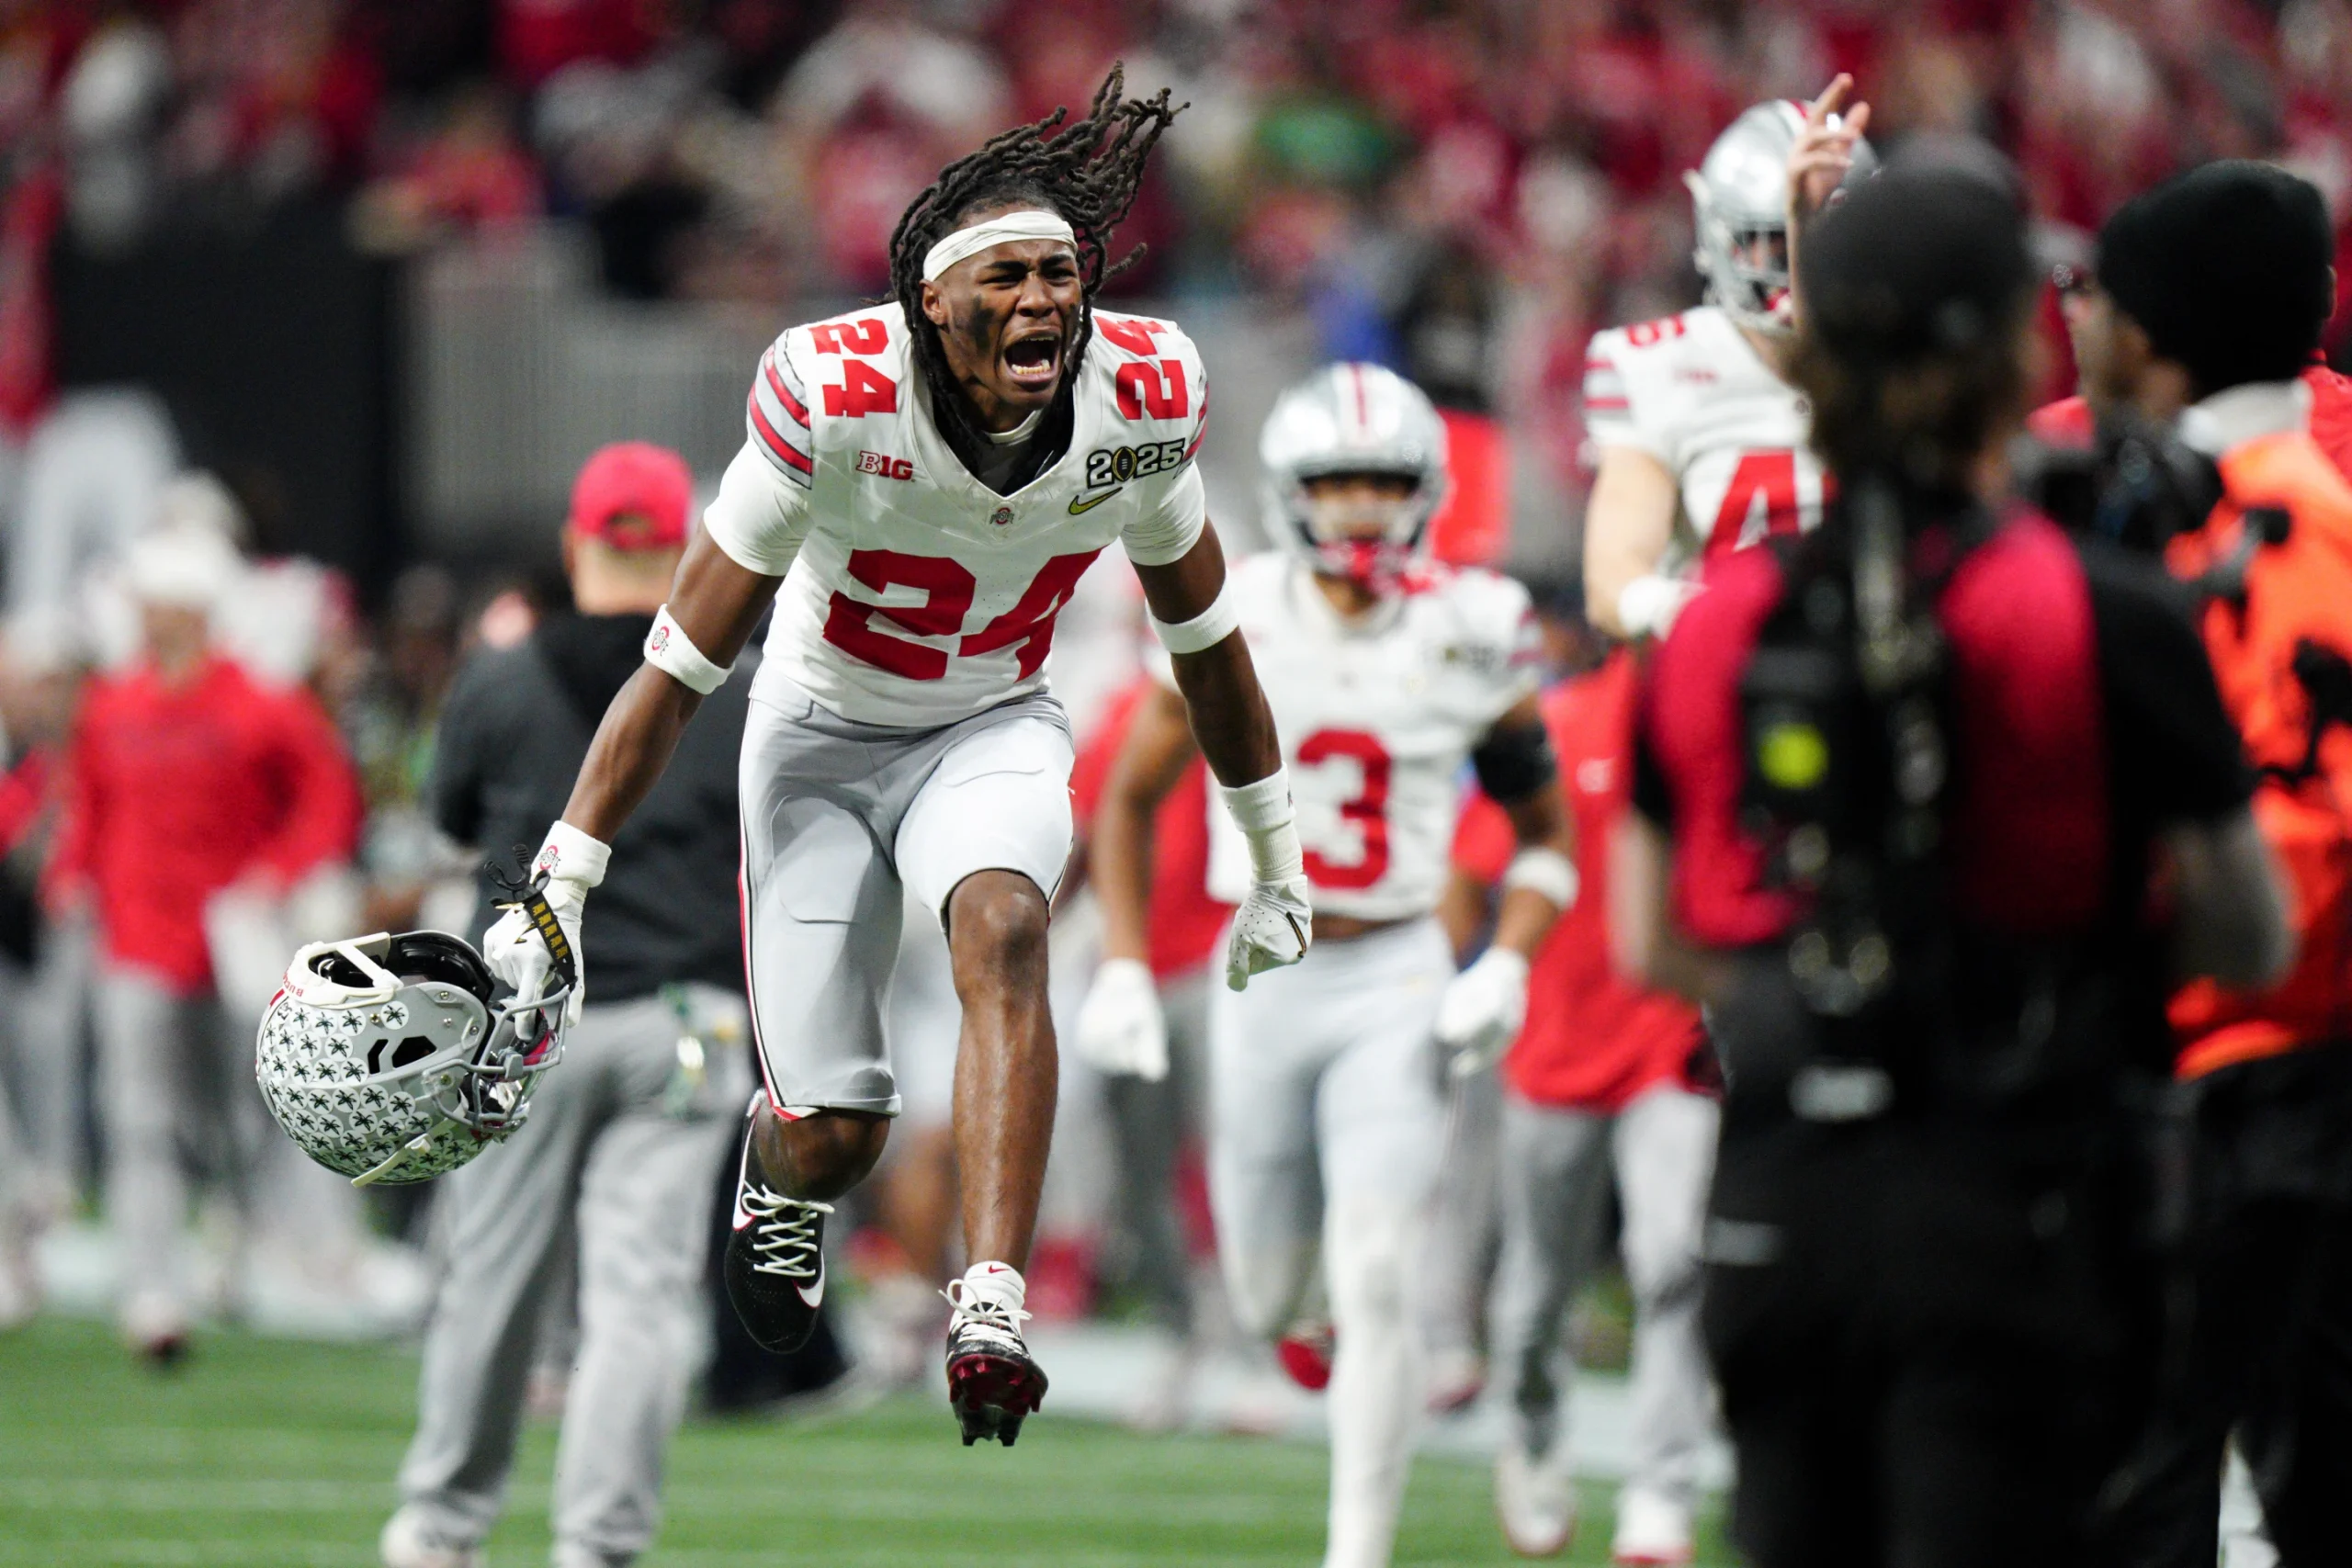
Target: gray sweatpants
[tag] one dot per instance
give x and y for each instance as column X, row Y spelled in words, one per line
column 617, row 1160
column 1555, row 1171
column 175, row 1092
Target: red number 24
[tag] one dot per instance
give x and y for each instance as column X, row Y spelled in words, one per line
column 947, row 590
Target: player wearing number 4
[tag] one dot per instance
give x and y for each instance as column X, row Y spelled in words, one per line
column 1701, row 440
column 1328, row 1084
column 922, row 486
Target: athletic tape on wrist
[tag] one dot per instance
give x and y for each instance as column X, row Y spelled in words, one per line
column 1263, row 812
column 1208, row 629
column 572, row 855
column 669, row 650
column 1543, row 871
column 1647, row 605
column 1027, row 224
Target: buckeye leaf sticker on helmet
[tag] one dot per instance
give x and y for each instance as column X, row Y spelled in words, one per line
column 388, row 1059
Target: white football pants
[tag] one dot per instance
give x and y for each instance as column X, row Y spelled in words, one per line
column 1325, row 1124
column 1555, row 1171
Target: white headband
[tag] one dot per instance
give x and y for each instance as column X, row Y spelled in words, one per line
column 1027, row 224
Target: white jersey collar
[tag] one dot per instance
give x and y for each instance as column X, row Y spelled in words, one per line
column 2234, row 417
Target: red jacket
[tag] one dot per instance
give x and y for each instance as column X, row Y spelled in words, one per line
column 173, row 792
column 1591, row 1042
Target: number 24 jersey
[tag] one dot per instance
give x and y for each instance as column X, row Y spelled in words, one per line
column 914, row 595
column 1376, row 719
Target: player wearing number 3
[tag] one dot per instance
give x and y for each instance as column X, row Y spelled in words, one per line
column 922, row 486
column 1701, row 442
column 1328, row 1084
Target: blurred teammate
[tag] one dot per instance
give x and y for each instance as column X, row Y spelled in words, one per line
column 614, row 1168
column 1701, row 438
column 183, row 778
column 1600, row 1080
column 925, row 481
column 1327, row 1098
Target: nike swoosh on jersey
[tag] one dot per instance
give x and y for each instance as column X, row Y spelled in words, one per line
column 1088, row 504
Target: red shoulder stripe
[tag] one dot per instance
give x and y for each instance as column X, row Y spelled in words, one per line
column 781, row 450
column 792, row 405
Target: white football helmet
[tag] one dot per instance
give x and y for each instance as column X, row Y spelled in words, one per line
column 1739, row 199
column 386, row 1058
column 1352, row 418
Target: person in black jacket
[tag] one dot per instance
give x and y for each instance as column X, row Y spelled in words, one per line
column 615, row 1163
column 1930, row 808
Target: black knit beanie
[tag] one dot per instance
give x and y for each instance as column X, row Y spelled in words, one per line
column 2226, row 268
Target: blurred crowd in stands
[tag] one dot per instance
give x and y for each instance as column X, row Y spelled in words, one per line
column 1466, row 187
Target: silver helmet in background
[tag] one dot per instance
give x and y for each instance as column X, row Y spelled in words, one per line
column 1354, row 419
column 1740, row 208
column 386, row 1058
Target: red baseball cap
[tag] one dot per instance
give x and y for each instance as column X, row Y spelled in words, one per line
column 633, row 495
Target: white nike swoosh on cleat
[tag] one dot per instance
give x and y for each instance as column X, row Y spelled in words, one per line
column 814, row 1299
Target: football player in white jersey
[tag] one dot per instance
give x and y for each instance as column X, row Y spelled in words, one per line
column 922, row 483
column 1702, row 443
column 1328, row 1084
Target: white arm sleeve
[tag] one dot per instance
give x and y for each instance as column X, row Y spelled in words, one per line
column 1170, row 526
column 758, row 517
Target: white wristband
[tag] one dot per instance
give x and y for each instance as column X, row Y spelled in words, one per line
column 1545, row 870
column 572, row 856
column 1647, row 605
column 669, row 650
column 1263, row 812
column 1208, row 629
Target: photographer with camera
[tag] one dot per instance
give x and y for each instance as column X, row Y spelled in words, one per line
column 1907, row 790
column 2214, row 289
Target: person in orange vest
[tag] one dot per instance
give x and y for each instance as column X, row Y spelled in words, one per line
column 2214, row 288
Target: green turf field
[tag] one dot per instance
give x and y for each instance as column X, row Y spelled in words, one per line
column 264, row 1452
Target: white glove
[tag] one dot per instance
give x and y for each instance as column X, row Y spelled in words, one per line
column 1481, row 1011
column 573, row 862
column 1647, row 605
column 1271, row 929
column 1121, row 1030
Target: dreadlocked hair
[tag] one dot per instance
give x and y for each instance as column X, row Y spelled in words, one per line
column 1087, row 171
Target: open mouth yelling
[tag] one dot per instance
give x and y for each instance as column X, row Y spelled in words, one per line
column 1033, row 361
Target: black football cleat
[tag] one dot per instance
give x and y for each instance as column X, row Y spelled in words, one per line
column 992, row 1385
column 775, row 1255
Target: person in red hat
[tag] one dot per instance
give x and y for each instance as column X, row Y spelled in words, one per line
column 615, row 1163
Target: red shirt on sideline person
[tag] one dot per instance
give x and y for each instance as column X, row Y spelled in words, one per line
column 174, row 791
column 1184, row 923
column 1591, row 1042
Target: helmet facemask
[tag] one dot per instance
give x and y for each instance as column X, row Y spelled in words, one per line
column 387, row 1059
column 1745, row 264
column 1365, row 527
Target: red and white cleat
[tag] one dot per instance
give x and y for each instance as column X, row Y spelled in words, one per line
column 992, row 1383
column 1652, row 1531
column 1535, row 1499
column 1305, row 1354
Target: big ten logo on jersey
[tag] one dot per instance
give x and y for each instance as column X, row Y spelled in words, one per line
column 862, row 390
column 1155, row 387
column 887, row 467
column 1117, row 465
